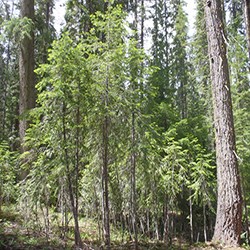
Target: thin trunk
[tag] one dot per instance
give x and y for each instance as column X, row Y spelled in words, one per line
column 77, row 166
column 47, row 215
column 1, row 194
column 47, row 27
column 4, row 82
column 63, row 208
column 166, row 221
column 204, row 222
column 72, row 194
column 148, row 222
column 105, row 195
column 105, row 140
column 247, row 21
column 133, row 183
column 3, row 116
column 191, row 220
column 105, row 147
column 142, row 23
column 246, row 214
column 133, row 142
column 229, row 202
column 155, row 211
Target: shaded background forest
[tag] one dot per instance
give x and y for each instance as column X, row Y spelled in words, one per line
column 120, row 135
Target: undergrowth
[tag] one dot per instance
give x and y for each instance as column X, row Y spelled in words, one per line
column 17, row 234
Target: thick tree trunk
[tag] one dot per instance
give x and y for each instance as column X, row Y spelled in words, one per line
column 247, row 21
column 26, row 71
column 229, row 203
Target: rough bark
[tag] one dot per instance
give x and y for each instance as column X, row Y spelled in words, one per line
column 229, row 202
column 26, row 71
column 247, row 21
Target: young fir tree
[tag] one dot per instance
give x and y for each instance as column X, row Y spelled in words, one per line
column 85, row 99
column 161, row 37
column 123, row 95
column 179, row 63
column 199, row 59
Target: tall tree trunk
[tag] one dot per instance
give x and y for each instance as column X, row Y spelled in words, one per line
column 134, row 218
column 26, row 71
column 229, row 202
column 105, row 196
column 247, row 21
column 105, row 192
column 133, row 184
column 72, row 191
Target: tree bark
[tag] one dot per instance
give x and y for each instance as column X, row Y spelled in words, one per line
column 133, row 184
column 247, row 21
column 105, row 165
column 229, row 202
column 26, row 71
column 191, row 219
column 204, row 222
column 73, row 196
column 105, row 193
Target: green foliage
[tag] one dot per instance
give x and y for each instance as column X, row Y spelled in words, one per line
column 67, row 124
column 97, row 71
column 8, row 173
column 8, row 82
column 239, row 64
column 19, row 29
column 186, row 164
column 44, row 30
column 63, row 92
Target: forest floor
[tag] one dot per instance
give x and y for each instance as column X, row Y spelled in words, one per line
column 17, row 235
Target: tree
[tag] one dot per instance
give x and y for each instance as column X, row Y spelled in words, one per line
column 44, row 30
column 247, row 21
column 58, row 137
column 26, row 69
column 9, row 87
column 229, row 200
column 239, row 69
column 179, row 65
